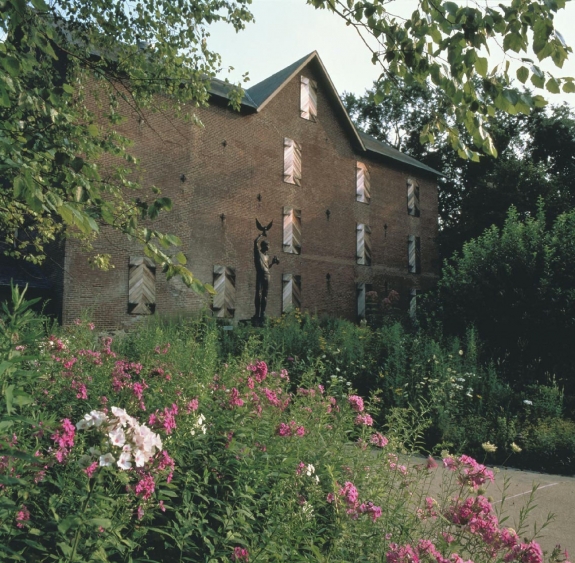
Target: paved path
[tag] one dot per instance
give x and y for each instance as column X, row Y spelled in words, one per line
column 555, row 495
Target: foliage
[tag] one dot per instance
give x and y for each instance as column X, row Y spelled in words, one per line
column 65, row 66
column 248, row 468
column 447, row 43
column 516, row 286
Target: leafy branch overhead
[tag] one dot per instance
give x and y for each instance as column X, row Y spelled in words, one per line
column 68, row 70
column 450, row 44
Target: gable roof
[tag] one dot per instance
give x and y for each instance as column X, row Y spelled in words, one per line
column 259, row 95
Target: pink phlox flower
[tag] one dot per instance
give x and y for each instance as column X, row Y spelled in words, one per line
column 349, row 493
column 69, row 364
column 283, row 429
column 161, row 506
column 300, row 468
column 378, row 440
column 356, row 403
column 363, row 420
column 240, row 554
column 165, row 461
column 81, row 390
column 91, row 469
column 260, row 370
column 163, row 350
column 272, row 397
column 140, row 512
column 169, row 418
column 251, row 383
column 371, row 509
column 22, row 516
column 330, row 497
column 450, row 463
column 145, row 487
column 192, row 406
column 525, row 553
column 431, row 463
column 235, row 400
column 64, row 437
column 284, row 374
column 138, row 389
column 401, row 554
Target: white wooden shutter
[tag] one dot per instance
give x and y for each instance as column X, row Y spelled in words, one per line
column 414, row 254
column 361, row 290
column 291, row 292
column 308, row 98
column 412, row 197
column 141, row 286
column 292, row 230
column 362, row 187
column 413, row 303
column 292, row 162
column 363, row 256
column 225, row 286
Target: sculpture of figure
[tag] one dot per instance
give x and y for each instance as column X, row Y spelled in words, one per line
column 261, row 261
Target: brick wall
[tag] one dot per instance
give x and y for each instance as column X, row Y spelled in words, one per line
column 228, row 163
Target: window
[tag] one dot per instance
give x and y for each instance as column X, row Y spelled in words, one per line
column 292, row 231
column 292, row 162
column 412, row 197
column 362, row 185
column 363, row 256
column 141, row 286
column 308, row 98
column 413, row 303
column 291, row 293
column 361, row 291
column 414, row 254
column 224, row 301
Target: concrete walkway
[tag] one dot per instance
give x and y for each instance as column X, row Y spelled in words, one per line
column 510, row 493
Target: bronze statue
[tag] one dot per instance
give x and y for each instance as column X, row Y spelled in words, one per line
column 261, row 261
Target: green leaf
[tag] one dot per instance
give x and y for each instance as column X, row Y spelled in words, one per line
column 569, row 87
column 553, row 86
column 481, row 66
column 101, row 522
column 522, row 74
column 538, row 81
column 12, row 66
column 93, row 130
column 181, row 258
column 40, row 5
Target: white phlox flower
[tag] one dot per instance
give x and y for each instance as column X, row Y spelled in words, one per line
column 307, row 510
column 199, row 425
column 124, row 461
column 309, row 470
column 117, row 437
column 106, row 460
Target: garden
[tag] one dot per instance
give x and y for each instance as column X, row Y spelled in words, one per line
column 180, row 441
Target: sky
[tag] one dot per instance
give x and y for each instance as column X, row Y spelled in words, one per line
column 287, row 30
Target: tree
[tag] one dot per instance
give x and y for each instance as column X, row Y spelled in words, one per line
column 52, row 58
column 516, row 285
column 447, row 43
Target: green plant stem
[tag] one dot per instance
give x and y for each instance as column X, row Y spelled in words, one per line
column 77, row 536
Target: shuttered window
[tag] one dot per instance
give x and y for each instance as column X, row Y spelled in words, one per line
column 291, row 292
column 224, row 303
column 413, row 303
column 308, row 98
column 412, row 197
column 361, row 291
column 292, row 162
column 363, row 256
column 142, row 286
column 362, row 186
column 292, row 230
column 414, row 254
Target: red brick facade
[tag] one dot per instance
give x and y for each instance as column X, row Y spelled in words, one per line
column 233, row 170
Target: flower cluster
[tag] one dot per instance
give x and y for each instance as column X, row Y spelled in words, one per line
column 290, row 429
column 64, row 438
column 356, row 403
column 350, row 496
column 240, row 554
column 123, row 431
column 470, row 472
column 378, row 440
column 199, row 425
column 363, row 420
column 260, row 370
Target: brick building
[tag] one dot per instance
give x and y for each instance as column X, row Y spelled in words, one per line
column 350, row 214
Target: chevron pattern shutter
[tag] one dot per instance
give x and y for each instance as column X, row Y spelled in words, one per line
column 225, row 286
column 414, row 254
column 292, row 230
column 412, row 197
column 141, row 286
column 291, row 292
column 413, row 303
column 361, row 290
column 292, row 162
column 308, row 98
column 362, row 187
column 363, row 256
